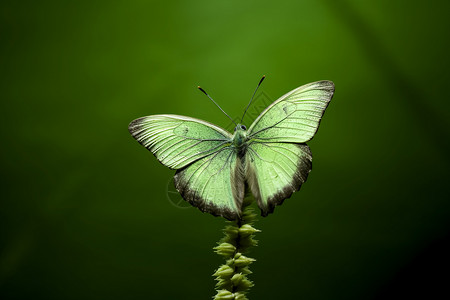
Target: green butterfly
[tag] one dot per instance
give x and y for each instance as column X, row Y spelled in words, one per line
column 215, row 167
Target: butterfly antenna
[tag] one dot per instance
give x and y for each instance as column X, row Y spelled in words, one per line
column 262, row 79
column 216, row 104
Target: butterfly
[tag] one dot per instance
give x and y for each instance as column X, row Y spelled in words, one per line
column 215, row 169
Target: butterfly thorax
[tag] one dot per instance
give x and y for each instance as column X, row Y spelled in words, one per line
column 239, row 138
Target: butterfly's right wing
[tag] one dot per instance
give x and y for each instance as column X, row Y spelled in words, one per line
column 178, row 141
column 276, row 170
column 277, row 160
column 294, row 117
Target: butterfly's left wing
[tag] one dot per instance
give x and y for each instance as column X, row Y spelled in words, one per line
column 214, row 184
column 277, row 160
column 209, row 174
column 177, row 141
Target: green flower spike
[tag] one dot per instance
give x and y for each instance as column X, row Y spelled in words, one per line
column 232, row 281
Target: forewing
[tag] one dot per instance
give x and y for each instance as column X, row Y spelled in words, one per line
column 295, row 117
column 276, row 170
column 214, row 184
column 178, row 141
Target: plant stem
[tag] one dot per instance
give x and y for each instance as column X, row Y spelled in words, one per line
column 232, row 281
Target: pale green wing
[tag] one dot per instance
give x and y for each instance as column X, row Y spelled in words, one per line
column 276, row 170
column 178, row 141
column 214, row 184
column 295, row 117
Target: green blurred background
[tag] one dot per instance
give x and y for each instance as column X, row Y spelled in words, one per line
column 87, row 213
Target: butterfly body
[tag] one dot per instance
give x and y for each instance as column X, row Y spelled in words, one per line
column 240, row 139
column 215, row 167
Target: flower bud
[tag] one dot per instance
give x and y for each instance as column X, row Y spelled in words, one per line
column 224, row 271
column 224, row 295
column 225, row 249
